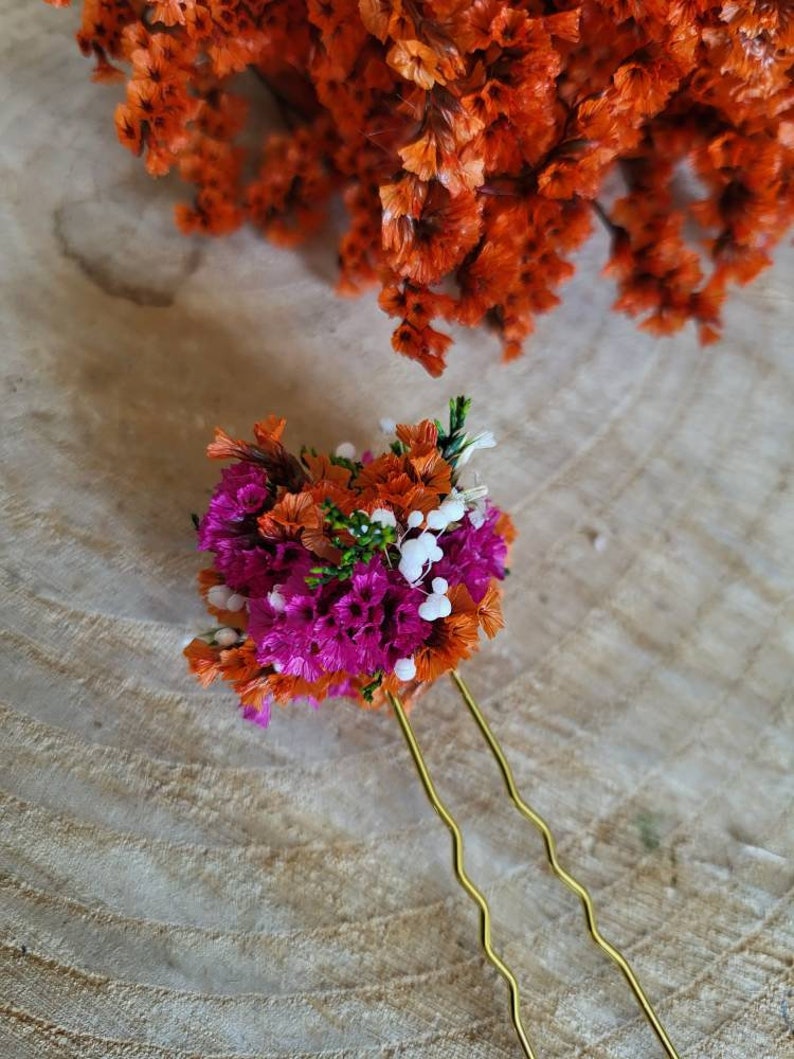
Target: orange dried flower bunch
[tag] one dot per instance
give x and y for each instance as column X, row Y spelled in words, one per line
column 471, row 141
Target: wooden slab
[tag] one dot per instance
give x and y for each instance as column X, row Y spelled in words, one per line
column 175, row 884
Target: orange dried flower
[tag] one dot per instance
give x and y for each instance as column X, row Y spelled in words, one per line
column 471, row 140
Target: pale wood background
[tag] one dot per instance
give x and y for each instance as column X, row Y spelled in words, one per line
column 177, row 884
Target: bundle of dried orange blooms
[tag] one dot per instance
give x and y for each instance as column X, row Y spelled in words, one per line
column 471, row 142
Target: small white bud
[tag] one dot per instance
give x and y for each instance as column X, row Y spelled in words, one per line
column 405, row 669
column 444, row 606
column 440, row 586
column 436, row 520
column 276, row 600
column 226, row 637
column 346, row 450
column 412, row 572
column 236, row 602
column 430, row 609
column 414, row 550
column 453, row 510
column 430, row 548
column 218, row 596
column 383, row 516
column 415, row 519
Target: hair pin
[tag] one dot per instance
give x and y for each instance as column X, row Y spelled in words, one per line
column 550, row 846
column 369, row 578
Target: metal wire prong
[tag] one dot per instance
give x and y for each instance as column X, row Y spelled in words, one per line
column 572, row 883
column 460, row 872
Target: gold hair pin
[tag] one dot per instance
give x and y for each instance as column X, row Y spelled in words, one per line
column 367, row 577
column 551, row 855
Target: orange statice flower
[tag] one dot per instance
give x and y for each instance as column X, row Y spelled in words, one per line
column 471, row 141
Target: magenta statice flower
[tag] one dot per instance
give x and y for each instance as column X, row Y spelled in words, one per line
column 229, row 528
column 238, row 498
column 363, row 624
column 259, row 714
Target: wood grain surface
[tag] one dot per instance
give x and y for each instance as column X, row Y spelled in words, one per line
column 176, row 884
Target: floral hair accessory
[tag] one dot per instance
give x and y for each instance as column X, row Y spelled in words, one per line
column 473, row 142
column 368, row 578
column 340, row 576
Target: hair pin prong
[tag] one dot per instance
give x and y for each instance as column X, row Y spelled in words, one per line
column 460, row 873
column 564, row 876
column 551, row 854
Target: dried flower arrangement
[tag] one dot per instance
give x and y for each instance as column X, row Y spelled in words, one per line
column 340, row 576
column 471, row 140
